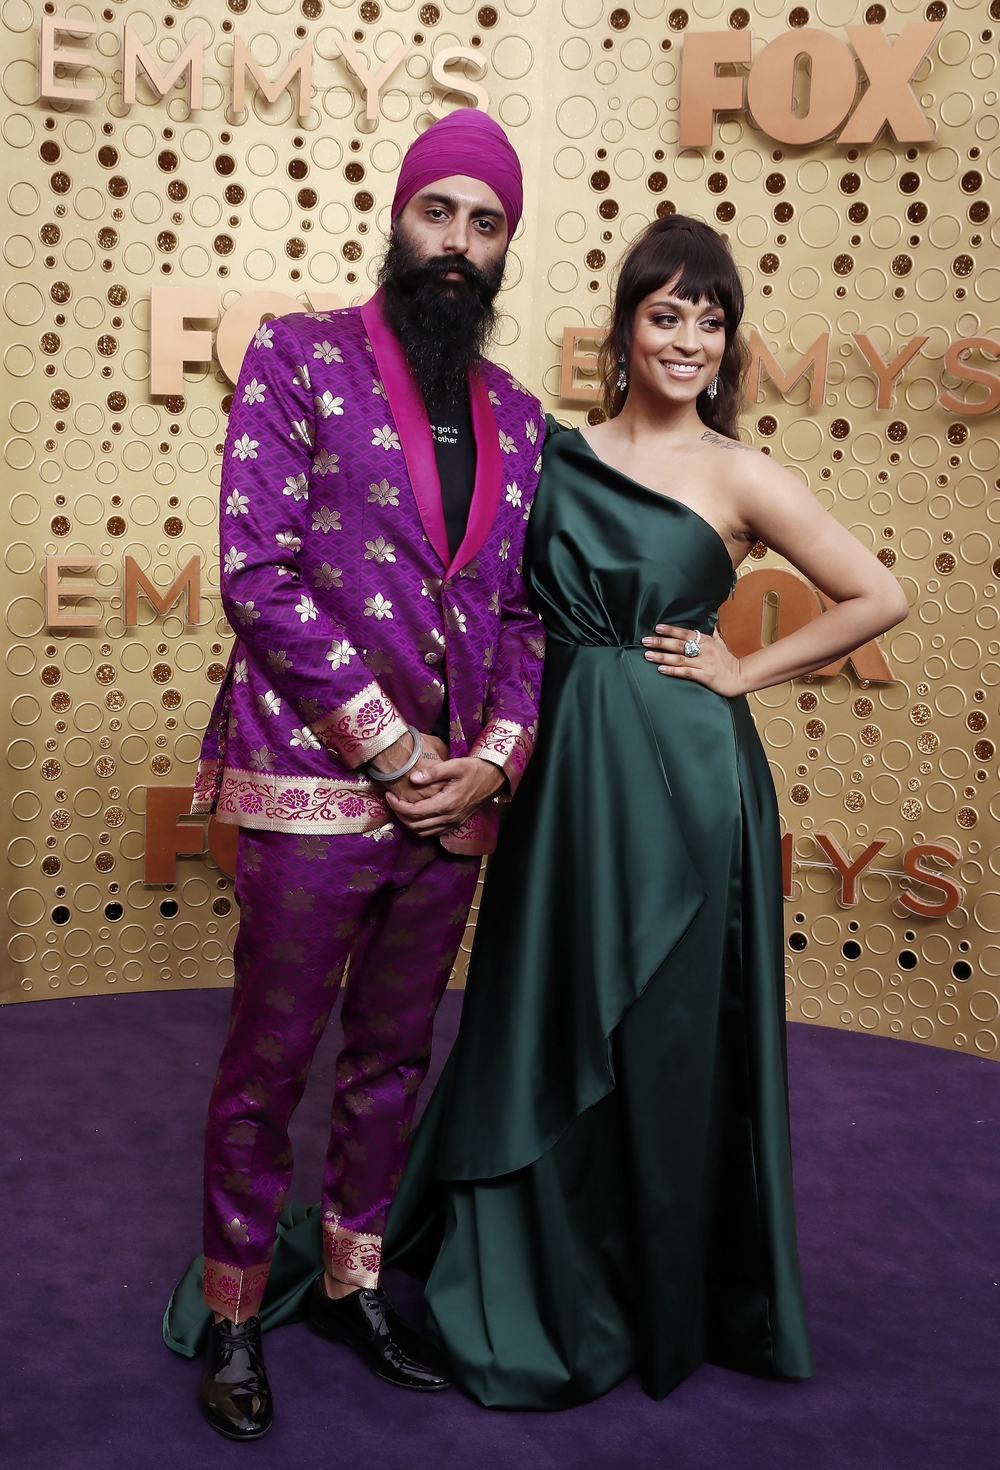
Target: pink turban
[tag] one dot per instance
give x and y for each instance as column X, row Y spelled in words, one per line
column 469, row 142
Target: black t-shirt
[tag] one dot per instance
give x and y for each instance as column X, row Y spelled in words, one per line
column 455, row 453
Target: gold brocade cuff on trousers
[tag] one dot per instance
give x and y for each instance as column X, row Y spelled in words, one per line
column 235, row 1292
column 349, row 1257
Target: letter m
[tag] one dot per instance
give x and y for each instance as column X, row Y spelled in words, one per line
column 814, row 360
column 187, row 581
column 243, row 62
column 190, row 60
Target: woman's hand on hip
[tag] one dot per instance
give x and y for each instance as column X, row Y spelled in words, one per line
column 714, row 666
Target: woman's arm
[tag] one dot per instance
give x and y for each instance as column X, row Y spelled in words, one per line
column 780, row 511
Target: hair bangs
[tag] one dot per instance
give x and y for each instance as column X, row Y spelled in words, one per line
column 687, row 275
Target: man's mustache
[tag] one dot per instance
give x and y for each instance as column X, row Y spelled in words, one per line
column 439, row 266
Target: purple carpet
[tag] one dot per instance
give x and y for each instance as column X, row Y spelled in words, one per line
column 897, row 1151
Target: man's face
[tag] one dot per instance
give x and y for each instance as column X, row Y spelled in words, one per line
column 440, row 276
column 458, row 216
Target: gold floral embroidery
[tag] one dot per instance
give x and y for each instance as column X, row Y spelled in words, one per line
column 235, row 1291
column 300, row 803
column 362, row 727
column 349, row 1257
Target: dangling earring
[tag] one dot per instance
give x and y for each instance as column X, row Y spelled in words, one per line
column 622, row 376
column 713, row 387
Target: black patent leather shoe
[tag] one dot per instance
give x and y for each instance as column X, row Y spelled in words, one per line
column 235, row 1396
column 367, row 1321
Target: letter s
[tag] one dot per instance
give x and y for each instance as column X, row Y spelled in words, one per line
column 953, row 892
column 451, row 83
column 954, row 364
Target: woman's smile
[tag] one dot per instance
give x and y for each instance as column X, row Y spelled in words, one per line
column 682, row 370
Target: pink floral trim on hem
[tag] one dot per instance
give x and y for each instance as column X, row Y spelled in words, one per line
column 508, row 745
column 274, row 803
column 206, row 787
column 362, row 728
column 235, row 1292
column 349, row 1257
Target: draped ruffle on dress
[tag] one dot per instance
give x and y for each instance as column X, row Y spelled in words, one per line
column 602, row 1181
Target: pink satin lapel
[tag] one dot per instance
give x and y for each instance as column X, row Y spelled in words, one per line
column 413, row 426
column 489, row 473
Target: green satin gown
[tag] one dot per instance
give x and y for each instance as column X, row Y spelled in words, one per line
column 602, row 1181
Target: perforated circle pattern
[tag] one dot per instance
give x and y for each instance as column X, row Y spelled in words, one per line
column 885, row 239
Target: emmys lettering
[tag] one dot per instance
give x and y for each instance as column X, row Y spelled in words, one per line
column 74, row 603
column 171, row 832
column 947, row 895
column 578, row 382
column 187, row 70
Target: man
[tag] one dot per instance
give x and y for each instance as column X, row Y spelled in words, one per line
column 381, row 695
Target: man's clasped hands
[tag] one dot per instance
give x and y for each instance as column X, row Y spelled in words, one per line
column 437, row 794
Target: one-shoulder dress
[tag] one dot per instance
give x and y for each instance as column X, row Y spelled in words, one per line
column 602, row 1181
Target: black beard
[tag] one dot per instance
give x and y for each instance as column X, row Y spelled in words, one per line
column 443, row 326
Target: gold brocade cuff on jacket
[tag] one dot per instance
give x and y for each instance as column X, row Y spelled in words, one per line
column 508, row 745
column 477, row 836
column 206, row 787
column 362, row 728
column 235, row 1292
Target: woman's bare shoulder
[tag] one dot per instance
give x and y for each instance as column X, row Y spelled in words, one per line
column 740, row 464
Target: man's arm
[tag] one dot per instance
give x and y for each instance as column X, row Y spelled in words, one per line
column 501, row 750
column 508, row 736
column 272, row 498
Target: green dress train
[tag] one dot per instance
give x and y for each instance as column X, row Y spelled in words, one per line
column 602, row 1181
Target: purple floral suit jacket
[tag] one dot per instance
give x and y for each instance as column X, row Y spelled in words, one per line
column 337, row 580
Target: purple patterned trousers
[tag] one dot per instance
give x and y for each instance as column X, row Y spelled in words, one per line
column 395, row 907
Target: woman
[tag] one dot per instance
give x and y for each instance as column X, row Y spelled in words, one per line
column 603, row 1178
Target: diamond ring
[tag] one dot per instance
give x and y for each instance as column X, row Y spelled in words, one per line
column 692, row 647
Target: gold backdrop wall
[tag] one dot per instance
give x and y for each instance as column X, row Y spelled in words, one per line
column 105, row 202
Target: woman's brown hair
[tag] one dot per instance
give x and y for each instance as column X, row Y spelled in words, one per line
column 697, row 261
